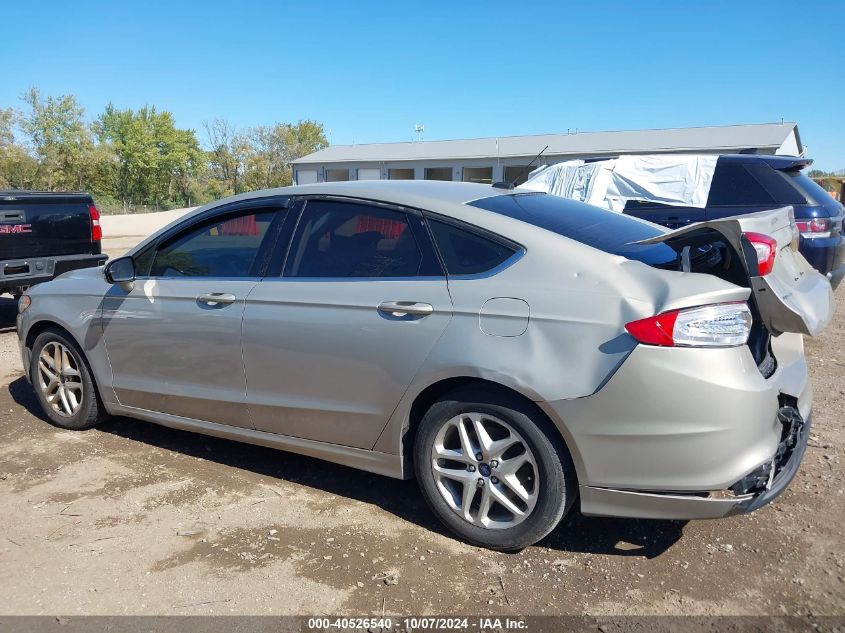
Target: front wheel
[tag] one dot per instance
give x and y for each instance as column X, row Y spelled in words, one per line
column 63, row 383
column 489, row 470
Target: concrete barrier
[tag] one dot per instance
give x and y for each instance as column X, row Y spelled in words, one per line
column 139, row 224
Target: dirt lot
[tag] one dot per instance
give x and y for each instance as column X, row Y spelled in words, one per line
column 135, row 518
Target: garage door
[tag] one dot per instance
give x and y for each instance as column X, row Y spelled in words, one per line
column 306, row 176
column 369, row 174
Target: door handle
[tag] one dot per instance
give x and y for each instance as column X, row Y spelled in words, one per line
column 217, row 299
column 404, row 308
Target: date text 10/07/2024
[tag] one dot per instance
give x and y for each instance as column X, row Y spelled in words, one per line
column 422, row 623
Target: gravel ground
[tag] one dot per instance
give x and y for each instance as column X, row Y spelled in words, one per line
column 133, row 518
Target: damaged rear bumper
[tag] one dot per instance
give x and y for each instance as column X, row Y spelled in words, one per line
column 764, row 484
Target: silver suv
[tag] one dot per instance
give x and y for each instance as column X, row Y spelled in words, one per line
column 513, row 351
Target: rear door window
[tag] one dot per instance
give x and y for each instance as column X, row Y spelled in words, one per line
column 465, row 252
column 340, row 240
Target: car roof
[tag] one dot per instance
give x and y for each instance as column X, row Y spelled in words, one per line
column 387, row 190
column 442, row 197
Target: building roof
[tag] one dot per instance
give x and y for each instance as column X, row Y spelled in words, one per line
column 697, row 139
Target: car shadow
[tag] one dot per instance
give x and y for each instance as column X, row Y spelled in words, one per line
column 644, row 538
column 578, row 533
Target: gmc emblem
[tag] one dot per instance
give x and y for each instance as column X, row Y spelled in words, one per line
column 6, row 229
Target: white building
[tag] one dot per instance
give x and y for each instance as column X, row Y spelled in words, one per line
column 505, row 158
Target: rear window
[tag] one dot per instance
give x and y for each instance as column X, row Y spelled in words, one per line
column 810, row 188
column 607, row 231
column 751, row 184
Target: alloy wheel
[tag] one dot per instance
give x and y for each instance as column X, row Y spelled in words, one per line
column 60, row 379
column 485, row 470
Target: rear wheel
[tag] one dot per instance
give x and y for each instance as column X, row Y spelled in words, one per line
column 490, row 472
column 63, row 383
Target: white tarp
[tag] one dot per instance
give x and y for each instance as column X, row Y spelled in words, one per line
column 672, row 179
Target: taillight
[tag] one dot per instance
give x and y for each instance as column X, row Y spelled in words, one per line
column 96, row 229
column 766, row 247
column 814, row 227
column 717, row 325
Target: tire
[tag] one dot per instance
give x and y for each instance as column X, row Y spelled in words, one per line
column 79, row 407
column 547, row 475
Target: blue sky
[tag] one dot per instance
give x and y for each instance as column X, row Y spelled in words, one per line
column 371, row 70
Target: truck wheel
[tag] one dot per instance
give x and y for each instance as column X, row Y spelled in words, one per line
column 63, row 382
column 490, row 472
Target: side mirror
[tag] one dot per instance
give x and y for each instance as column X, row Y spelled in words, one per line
column 120, row 270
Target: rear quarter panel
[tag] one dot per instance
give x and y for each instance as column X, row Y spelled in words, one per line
column 579, row 300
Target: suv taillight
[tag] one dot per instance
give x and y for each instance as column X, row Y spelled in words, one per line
column 96, row 229
column 766, row 247
column 814, row 227
column 717, row 325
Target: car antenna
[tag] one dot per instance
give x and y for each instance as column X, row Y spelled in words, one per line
column 510, row 184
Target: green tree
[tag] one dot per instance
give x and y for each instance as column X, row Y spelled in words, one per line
column 132, row 149
column 273, row 148
column 266, row 162
column 18, row 168
column 229, row 152
column 187, row 162
column 61, row 140
column 305, row 137
column 132, row 158
column 7, row 125
column 154, row 160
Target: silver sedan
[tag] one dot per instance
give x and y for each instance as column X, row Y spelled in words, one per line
column 515, row 352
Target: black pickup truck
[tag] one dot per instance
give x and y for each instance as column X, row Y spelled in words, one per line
column 44, row 234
